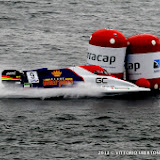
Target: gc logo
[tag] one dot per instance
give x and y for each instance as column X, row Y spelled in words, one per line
column 101, row 80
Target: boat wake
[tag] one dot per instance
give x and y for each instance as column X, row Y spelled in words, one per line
column 80, row 91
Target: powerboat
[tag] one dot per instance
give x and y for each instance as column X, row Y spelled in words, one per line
column 92, row 75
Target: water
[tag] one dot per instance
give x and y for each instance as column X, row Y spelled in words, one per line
column 75, row 124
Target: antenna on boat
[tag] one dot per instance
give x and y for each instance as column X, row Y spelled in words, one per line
column 73, row 66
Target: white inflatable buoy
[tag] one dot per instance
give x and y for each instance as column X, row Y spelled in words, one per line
column 143, row 59
column 107, row 48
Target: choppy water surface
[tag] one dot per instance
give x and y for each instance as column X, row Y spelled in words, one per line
column 73, row 125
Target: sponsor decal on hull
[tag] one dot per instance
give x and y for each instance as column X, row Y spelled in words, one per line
column 56, row 73
column 58, row 83
column 101, row 80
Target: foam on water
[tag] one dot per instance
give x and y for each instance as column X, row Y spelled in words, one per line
column 79, row 91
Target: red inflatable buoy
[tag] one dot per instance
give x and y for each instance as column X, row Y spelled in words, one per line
column 143, row 59
column 142, row 82
column 107, row 48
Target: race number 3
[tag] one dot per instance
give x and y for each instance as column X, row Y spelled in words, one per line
column 32, row 77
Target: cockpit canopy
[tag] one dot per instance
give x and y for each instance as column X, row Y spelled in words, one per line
column 98, row 72
column 96, row 69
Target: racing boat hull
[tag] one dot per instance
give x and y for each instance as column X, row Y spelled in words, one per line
column 91, row 75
